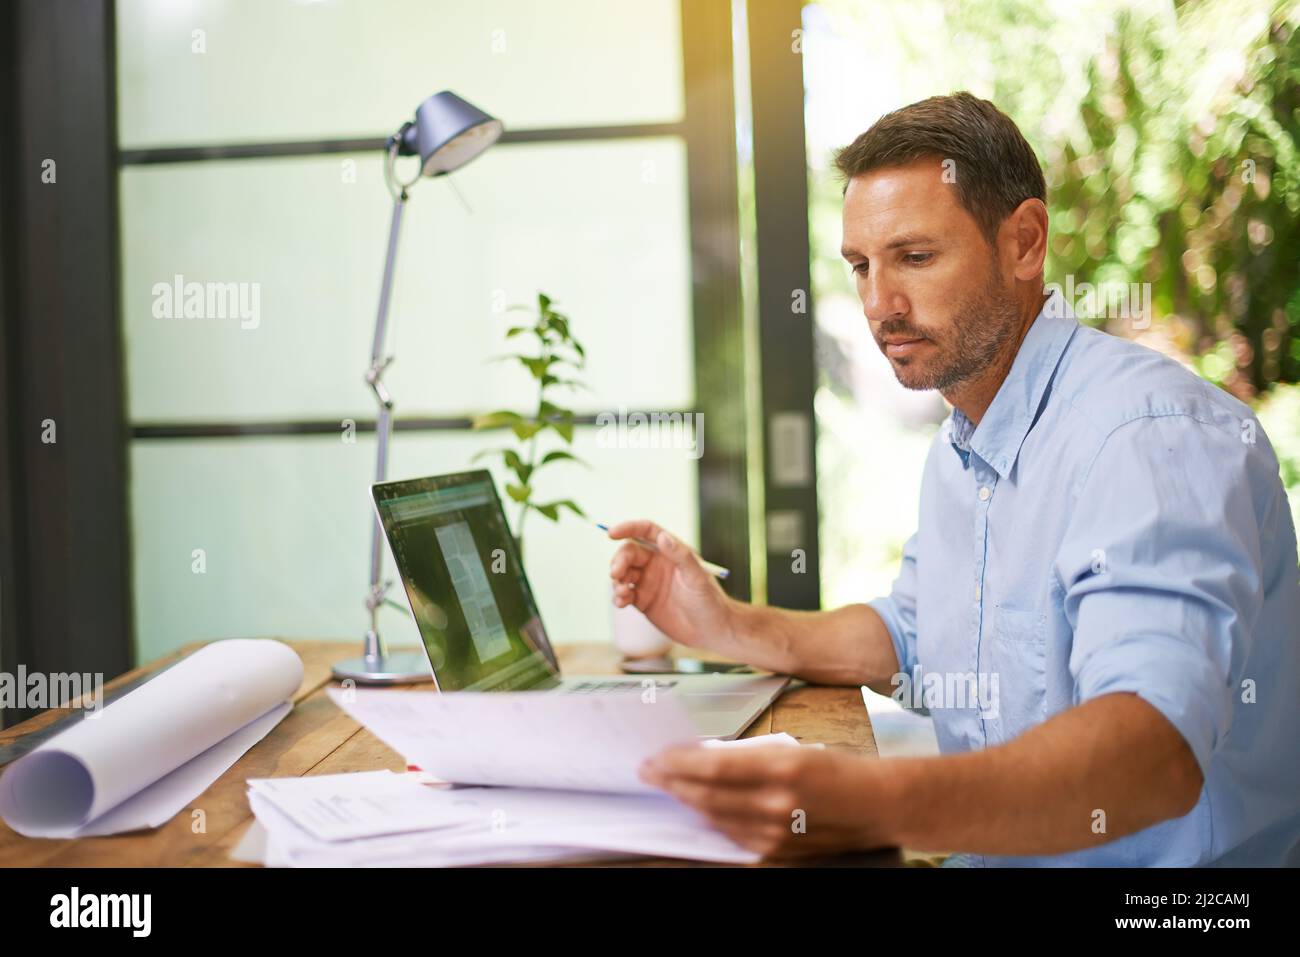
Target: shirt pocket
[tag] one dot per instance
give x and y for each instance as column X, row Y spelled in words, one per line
column 1017, row 666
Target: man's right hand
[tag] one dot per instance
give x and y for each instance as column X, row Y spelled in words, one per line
column 670, row 587
column 847, row 646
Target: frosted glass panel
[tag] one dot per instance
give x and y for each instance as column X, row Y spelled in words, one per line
column 283, row 529
column 233, row 71
column 602, row 227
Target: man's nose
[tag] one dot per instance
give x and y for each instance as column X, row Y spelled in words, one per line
column 881, row 299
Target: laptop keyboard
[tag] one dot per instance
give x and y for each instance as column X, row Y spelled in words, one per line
column 606, row 687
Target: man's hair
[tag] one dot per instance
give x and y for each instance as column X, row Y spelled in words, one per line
column 995, row 171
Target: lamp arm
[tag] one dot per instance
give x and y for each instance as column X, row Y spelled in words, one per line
column 383, row 427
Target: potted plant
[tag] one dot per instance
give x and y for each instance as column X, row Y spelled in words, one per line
column 559, row 358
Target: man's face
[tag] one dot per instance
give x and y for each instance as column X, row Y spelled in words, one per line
column 930, row 285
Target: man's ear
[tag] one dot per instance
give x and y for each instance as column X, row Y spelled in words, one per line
column 1025, row 233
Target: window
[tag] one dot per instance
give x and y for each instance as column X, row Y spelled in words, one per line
column 250, row 146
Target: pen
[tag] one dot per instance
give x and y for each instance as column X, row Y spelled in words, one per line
column 717, row 571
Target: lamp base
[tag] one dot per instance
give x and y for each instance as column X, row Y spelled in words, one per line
column 399, row 668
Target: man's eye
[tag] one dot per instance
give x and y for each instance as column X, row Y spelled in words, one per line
column 861, row 268
column 918, row 259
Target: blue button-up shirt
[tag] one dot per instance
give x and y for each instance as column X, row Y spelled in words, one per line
column 1114, row 524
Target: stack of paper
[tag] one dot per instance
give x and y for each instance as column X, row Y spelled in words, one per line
column 562, row 782
column 378, row 818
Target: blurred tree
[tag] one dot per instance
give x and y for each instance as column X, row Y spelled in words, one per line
column 1188, row 177
column 1170, row 136
column 1169, row 132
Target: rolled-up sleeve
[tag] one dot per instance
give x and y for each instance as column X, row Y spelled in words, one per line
column 1161, row 570
column 898, row 609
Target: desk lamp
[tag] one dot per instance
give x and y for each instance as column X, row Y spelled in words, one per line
column 446, row 134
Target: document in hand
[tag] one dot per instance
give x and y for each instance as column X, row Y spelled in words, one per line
column 524, row 738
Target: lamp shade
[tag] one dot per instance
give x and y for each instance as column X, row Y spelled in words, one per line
column 447, row 133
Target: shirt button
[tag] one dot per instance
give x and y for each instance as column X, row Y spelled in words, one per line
column 978, row 592
column 984, row 493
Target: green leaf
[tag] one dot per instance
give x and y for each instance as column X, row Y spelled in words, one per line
column 520, row 467
column 526, row 429
column 538, row 365
column 561, row 325
column 562, row 503
column 496, row 420
column 516, row 330
column 550, row 511
column 543, row 301
column 578, row 360
column 519, row 493
column 560, row 455
column 564, row 427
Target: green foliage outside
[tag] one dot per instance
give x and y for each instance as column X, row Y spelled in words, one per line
column 1169, row 133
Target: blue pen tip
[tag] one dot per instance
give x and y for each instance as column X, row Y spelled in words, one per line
column 602, row 526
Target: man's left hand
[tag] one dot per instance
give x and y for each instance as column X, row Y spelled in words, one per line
column 781, row 802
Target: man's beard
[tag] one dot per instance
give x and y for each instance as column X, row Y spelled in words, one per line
column 978, row 335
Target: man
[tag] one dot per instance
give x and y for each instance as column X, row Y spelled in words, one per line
column 1100, row 531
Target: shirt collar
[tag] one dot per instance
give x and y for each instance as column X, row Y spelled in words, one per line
column 1007, row 421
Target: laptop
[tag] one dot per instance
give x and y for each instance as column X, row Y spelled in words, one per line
column 478, row 620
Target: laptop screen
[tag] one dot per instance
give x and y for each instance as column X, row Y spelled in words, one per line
column 465, row 582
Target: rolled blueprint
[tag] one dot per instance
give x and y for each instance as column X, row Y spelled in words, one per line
column 137, row 762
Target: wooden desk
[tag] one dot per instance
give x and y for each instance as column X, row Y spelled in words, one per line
column 318, row 738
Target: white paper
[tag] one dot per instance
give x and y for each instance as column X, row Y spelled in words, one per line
column 150, row 752
column 524, row 739
column 478, row 825
column 899, row 732
column 758, row 740
column 338, row 807
column 276, row 841
column 252, row 847
column 159, row 802
column 654, row 824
